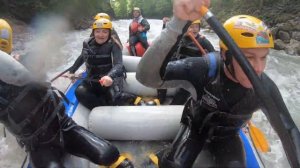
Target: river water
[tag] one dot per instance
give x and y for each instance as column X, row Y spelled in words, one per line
column 56, row 48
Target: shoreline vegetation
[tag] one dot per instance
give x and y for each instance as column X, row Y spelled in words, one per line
column 283, row 16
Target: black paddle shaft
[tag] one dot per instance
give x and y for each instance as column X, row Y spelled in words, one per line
column 60, row 74
column 259, row 89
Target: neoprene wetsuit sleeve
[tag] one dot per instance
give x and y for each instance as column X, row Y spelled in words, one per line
column 117, row 70
column 79, row 61
column 289, row 135
column 151, row 68
column 193, row 69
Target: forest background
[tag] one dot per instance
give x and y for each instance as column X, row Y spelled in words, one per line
column 283, row 16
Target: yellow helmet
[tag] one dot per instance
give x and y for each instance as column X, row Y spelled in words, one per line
column 196, row 22
column 137, row 9
column 101, row 15
column 5, row 36
column 102, row 24
column 248, row 32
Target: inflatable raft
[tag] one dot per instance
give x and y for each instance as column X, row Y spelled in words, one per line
column 140, row 50
column 138, row 130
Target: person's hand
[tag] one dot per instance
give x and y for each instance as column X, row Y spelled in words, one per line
column 106, row 81
column 165, row 20
column 189, row 9
column 140, row 29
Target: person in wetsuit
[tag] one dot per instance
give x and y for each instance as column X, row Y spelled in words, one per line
column 114, row 33
column 103, row 59
column 187, row 48
column 138, row 30
column 223, row 99
column 35, row 114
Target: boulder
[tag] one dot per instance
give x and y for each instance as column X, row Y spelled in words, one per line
column 279, row 44
column 293, row 48
column 284, row 36
column 296, row 35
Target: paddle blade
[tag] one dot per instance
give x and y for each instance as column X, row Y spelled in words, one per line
column 259, row 140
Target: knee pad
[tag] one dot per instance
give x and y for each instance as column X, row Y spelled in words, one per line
column 80, row 90
column 109, row 156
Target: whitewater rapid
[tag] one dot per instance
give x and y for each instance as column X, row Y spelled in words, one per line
column 282, row 68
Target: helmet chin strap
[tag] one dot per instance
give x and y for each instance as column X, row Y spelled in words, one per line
column 228, row 64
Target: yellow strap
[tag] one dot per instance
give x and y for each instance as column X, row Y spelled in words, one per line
column 157, row 101
column 154, row 159
column 118, row 162
column 137, row 100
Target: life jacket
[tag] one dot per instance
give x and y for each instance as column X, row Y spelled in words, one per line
column 98, row 58
column 210, row 114
column 31, row 110
column 187, row 48
column 135, row 24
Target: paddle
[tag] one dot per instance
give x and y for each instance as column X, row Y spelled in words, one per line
column 82, row 78
column 259, row 140
column 286, row 135
column 191, row 36
column 60, row 74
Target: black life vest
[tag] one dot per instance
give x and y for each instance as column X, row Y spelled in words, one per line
column 98, row 58
column 187, row 48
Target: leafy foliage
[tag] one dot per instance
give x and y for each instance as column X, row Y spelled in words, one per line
column 150, row 8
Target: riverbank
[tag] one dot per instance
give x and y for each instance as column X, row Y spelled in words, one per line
column 283, row 16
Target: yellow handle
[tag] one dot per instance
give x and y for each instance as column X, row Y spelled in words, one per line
column 259, row 140
column 203, row 10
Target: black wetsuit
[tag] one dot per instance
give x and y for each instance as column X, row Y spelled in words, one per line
column 100, row 60
column 187, row 48
column 35, row 115
column 218, row 108
column 222, row 107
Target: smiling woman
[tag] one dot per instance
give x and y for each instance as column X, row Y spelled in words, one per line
column 103, row 59
column 102, row 30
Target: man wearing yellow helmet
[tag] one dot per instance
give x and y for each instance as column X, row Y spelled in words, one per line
column 222, row 97
column 114, row 34
column 138, row 30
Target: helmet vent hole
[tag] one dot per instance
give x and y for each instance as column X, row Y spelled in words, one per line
column 246, row 34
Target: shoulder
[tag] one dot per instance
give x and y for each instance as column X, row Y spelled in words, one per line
column 88, row 41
